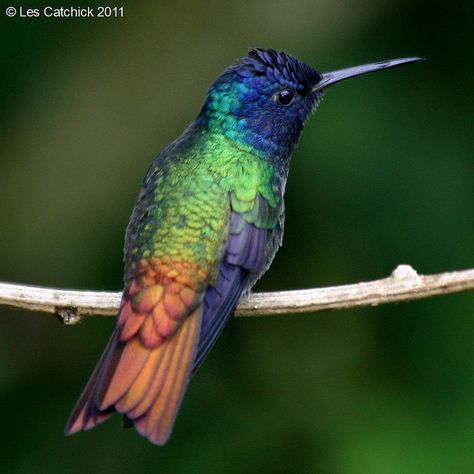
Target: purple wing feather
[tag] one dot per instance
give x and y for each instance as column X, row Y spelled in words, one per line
column 247, row 256
column 247, row 244
column 219, row 304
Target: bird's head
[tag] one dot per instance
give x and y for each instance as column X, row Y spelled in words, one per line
column 265, row 99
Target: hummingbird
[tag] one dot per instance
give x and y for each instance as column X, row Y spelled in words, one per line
column 206, row 226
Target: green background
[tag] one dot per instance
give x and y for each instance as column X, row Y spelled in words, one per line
column 383, row 175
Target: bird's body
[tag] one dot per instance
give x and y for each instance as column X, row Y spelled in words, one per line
column 210, row 225
column 206, row 226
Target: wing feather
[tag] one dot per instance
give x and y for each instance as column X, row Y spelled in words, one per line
column 255, row 230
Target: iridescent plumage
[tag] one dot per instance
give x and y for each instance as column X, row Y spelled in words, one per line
column 207, row 224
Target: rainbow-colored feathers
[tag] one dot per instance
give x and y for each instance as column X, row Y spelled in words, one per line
column 207, row 223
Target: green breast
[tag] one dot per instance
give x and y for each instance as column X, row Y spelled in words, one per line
column 183, row 210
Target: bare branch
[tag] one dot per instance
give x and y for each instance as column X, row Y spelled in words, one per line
column 403, row 284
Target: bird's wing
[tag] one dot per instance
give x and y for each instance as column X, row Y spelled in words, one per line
column 254, row 237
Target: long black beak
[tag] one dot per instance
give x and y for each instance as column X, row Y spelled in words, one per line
column 329, row 78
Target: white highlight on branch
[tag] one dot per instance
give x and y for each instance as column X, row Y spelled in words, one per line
column 403, row 284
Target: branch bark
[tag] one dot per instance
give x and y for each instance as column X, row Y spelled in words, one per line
column 403, row 284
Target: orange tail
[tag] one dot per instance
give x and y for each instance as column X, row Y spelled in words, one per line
column 145, row 383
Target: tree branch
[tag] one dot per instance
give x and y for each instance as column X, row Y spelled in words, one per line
column 403, row 284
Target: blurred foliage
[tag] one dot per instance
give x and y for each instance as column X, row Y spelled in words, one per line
column 383, row 175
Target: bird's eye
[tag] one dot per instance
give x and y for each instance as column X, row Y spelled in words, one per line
column 285, row 97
